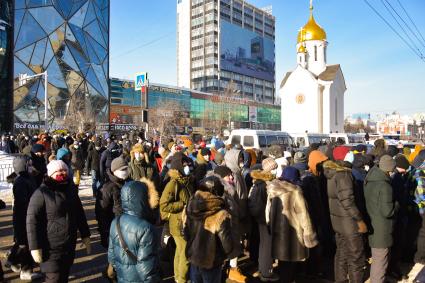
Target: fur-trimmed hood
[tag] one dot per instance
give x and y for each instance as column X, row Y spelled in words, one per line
column 331, row 168
column 278, row 187
column 139, row 198
column 262, row 175
column 204, row 205
column 176, row 175
column 153, row 195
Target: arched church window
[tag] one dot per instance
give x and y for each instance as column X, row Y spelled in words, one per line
column 336, row 111
column 315, row 53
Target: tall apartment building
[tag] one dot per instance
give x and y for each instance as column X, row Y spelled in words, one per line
column 226, row 41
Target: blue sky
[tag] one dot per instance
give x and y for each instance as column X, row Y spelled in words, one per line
column 381, row 73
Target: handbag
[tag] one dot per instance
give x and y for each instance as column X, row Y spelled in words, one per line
column 122, row 242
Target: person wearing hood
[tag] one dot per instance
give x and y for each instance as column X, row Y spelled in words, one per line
column 112, row 151
column 361, row 165
column 108, row 201
column 202, row 165
column 173, row 200
column 218, row 160
column 93, row 165
column 38, row 163
column 419, row 164
column 54, row 216
column 291, row 229
column 65, row 155
column 208, row 232
column 300, row 162
column 139, row 165
column 77, row 161
column 23, row 188
column 140, row 263
column 382, row 210
column 379, row 150
column 347, row 222
column 257, row 201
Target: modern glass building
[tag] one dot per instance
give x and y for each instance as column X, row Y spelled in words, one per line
column 6, row 98
column 196, row 108
column 70, row 41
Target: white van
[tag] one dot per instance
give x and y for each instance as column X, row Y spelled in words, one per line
column 306, row 139
column 259, row 139
column 347, row 138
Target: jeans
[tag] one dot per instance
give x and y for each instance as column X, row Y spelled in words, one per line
column 201, row 275
column 95, row 182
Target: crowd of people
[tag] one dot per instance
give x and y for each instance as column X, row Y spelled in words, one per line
column 292, row 211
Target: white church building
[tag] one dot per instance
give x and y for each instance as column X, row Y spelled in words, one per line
column 312, row 95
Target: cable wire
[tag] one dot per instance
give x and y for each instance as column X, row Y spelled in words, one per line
column 394, row 30
column 410, row 18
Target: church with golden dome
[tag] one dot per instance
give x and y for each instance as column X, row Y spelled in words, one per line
column 312, row 95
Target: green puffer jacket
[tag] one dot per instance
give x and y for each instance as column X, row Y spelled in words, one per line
column 173, row 200
column 380, row 207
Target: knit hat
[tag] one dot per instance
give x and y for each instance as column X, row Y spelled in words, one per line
column 300, row 157
column 61, row 153
column 55, row 166
column 118, row 164
column 223, row 171
column 340, row 152
column 360, row 148
column 269, row 164
column 315, row 158
column 205, row 151
column 392, row 150
column 218, row 158
column 274, row 151
column 212, row 184
column 177, row 162
column 402, row 162
column 37, row 148
column 387, row 163
column 291, row 175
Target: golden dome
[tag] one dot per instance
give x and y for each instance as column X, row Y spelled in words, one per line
column 302, row 49
column 311, row 31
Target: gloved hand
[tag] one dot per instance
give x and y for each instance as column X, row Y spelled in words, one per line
column 37, row 255
column 86, row 243
column 362, row 227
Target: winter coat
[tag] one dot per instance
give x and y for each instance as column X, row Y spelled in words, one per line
column 420, row 189
column 23, row 188
column 380, row 207
column 207, row 231
column 138, row 234
column 140, row 169
column 257, row 198
column 290, row 225
column 93, row 160
column 77, row 161
column 342, row 205
column 231, row 159
column 173, row 199
column 112, row 151
column 201, row 168
column 108, row 205
column 55, row 213
column 39, row 164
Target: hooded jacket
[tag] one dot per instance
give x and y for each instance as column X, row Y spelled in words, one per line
column 290, row 224
column 342, row 205
column 55, row 213
column 207, row 231
column 108, row 205
column 420, row 189
column 380, row 207
column 231, row 159
column 257, row 198
column 112, row 151
column 173, row 199
column 201, row 168
column 138, row 199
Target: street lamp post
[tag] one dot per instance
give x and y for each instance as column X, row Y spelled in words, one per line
column 23, row 78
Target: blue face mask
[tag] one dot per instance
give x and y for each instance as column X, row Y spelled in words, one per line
column 186, row 170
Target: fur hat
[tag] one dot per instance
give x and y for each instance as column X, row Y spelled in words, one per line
column 402, row 162
column 55, row 166
column 269, row 164
column 291, row 175
column 223, row 171
column 387, row 163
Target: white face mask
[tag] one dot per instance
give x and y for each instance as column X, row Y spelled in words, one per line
column 366, row 167
column 274, row 172
column 206, row 158
column 186, row 170
column 122, row 174
column 241, row 165
column 137, row 156
column 97, row 147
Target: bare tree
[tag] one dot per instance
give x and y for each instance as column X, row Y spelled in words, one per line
column 165, row 117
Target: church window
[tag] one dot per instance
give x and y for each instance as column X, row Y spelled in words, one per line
column 315, row 53
column 336, row 111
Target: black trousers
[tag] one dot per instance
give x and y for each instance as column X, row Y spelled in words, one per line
column 420, row 252
column 350, row 258
column 58, row 277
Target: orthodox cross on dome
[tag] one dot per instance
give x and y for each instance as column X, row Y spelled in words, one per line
column 311, row 4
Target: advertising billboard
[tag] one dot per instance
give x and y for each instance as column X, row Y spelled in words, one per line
column 245, row 52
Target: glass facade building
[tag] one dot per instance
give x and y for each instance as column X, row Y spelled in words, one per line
column 69, row 40
column 6, row 65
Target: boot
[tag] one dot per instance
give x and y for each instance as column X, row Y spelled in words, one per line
column 236, row 275
column 28, row 275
